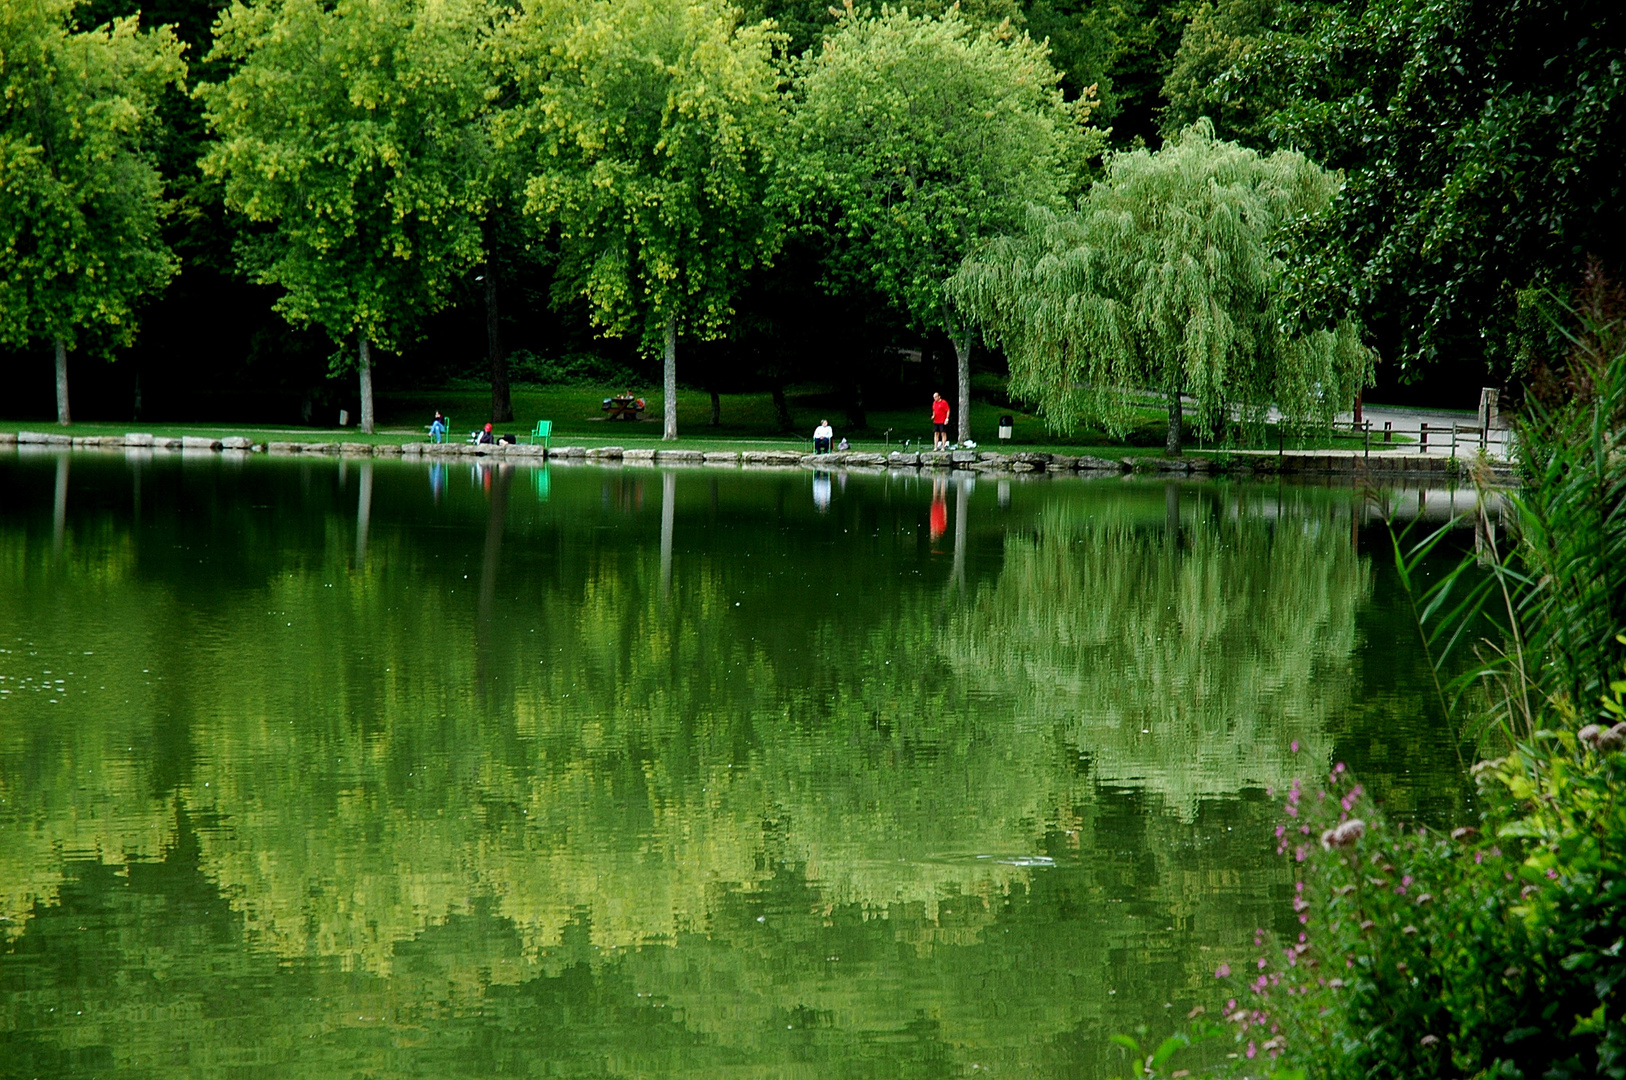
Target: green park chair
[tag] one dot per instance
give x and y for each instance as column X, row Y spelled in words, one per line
column 543, row 431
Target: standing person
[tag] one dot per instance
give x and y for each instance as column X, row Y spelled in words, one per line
column 940, row 419
column 822, row 436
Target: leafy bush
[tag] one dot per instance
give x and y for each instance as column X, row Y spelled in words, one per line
column 1495, row 950
column 577, row 369
column 1479, row 953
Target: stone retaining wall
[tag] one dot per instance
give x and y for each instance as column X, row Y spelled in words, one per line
column 1321, row 463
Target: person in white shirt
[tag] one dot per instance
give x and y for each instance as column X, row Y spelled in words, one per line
column 822, row 436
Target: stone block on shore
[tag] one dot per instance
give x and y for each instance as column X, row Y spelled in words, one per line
column 36, row 438
column 721, row 457
column 137, row 438
column 356, row 449
column 962, row 457
column 866, row 459
column 679, row 457
column 568, row 452
column 390, row 449
column 771, row 457
column 8, row 438
column 277, row 447
column 600, row 452
column 318, row 448
column 236, row 442
column 639, row 456
column 1158, row 464
column 199, row 442
column 898, row 457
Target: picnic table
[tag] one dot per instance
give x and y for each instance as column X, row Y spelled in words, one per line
column 622, row 407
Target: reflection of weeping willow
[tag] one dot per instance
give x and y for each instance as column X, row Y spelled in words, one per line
column 1185, row 662
column 598, row 757
column 370, row 770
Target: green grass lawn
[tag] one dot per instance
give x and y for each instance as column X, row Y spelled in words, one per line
column 748, row 423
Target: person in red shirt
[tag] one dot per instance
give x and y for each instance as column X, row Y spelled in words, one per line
column 940, row 418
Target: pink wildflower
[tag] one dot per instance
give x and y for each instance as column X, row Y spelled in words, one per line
column 1223, row 971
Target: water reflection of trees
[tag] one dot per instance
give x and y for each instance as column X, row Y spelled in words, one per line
column 413, row 805
column 1184, row 657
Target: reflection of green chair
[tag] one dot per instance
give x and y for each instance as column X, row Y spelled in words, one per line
column 543, row 431
column 544, row 484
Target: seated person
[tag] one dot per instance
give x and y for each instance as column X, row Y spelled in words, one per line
column 507, row 440
column 484, row 436
column 437, row 428
column 822, row 436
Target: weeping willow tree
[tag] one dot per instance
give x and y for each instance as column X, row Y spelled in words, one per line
column 1170, row 277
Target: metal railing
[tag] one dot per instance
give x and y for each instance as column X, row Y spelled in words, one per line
column 1426, row 438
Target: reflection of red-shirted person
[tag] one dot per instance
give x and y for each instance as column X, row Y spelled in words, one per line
column 940, row 418
column 939, row 518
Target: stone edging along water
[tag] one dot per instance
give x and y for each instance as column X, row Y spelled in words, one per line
column 1320, row 462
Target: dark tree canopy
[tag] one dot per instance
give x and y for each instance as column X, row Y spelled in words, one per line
column 1482, row 142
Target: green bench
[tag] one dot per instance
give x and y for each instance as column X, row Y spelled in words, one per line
column 543, row 431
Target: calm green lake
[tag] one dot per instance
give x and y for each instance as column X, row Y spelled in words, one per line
column 326, row 769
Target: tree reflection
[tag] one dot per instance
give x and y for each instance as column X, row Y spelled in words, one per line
column 776, row 800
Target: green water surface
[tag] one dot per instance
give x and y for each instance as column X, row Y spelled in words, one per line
column 329, row 769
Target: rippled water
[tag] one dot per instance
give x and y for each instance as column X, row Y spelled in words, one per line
column 327, row 769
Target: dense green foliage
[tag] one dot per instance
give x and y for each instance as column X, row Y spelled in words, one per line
column 1496, row 950
column 642, row 128
column 1482, row 142
column 915, row 140
column 80, row 195
column 1168, row 276
column 350, row 131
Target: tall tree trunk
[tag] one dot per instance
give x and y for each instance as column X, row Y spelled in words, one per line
column 781, row 407
column 669, row 380
column 1171, row 445
column 857, row 418
column 502, row 405
column 62, row 416
column 962, row 373
column 135, row 404
column 366, row 385
column 716, row 409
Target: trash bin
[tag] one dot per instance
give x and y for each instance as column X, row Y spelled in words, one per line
column 1004, row 427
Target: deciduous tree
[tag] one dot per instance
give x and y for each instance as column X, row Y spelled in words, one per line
column 1482, row 142
column 646, row 127
column 916, row 139
column 81, row 198
column 350, row 132
column 1168, row 277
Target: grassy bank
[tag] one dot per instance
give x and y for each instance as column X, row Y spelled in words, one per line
column 748, row 422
